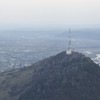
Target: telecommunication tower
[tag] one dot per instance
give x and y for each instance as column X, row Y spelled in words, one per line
column 69, row 51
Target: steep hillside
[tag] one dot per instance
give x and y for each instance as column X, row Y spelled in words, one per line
column 60, row 77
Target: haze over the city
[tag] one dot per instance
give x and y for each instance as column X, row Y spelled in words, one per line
column 49, row 13
column 31, row 30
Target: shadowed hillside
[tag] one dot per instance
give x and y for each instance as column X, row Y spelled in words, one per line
column 60, row 77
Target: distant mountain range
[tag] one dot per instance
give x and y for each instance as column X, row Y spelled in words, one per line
column 60, row 77
column 90, row 34
column 82, row 33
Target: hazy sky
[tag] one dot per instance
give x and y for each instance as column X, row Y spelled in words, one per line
column 49, row 12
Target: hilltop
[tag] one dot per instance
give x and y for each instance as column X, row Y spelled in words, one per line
column 60, row 77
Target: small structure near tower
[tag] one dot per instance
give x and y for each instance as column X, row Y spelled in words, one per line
column 69, row 51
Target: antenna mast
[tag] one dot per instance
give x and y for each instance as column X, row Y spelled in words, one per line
column 69, row 39
column 69, row 51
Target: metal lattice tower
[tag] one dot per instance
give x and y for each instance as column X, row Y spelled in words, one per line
column 69, row 51
column 69, row 39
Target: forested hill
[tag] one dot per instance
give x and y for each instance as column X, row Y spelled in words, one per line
column 60, row 77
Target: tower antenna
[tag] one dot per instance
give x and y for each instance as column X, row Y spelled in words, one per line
column 69, row 39
column 69, row 51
